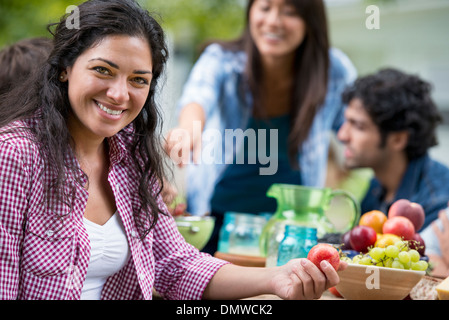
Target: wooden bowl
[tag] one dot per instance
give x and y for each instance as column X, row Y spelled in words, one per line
column 361, row 282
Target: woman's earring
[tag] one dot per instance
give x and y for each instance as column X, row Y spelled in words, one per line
column 62, row 76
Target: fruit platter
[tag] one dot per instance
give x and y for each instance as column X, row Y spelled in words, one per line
column 385, row 255
column 383, row 273
column 376, row 229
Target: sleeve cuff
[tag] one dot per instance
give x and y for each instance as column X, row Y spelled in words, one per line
column 198, row 277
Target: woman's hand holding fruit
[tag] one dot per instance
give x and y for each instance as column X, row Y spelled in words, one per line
column 302, row 279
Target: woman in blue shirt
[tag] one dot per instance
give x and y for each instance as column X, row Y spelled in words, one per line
column 280, row 84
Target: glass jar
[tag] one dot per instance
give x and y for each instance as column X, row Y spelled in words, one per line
column 225, row 230
column 273, row 244
column 244, row 238
column 297, row 242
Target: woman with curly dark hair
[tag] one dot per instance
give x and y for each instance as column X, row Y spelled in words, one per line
column 81, row 212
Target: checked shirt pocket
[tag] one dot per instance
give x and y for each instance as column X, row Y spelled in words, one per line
column 47, row 251
column 43, row 257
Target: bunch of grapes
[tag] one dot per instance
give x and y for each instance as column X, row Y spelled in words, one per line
column 398, row 256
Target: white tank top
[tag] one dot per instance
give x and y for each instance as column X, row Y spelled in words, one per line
column 109, row 254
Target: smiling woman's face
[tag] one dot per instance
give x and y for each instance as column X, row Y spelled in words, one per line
column 276, row 28
column 108, row 86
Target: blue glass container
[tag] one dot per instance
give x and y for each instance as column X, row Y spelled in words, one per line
column 297, row 242
column 225, row 230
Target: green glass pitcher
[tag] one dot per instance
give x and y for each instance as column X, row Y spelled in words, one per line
column 327, row 210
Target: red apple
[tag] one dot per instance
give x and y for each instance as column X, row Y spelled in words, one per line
column 362, row 237
column 418, row 244
column 335, row 292
column 411, row 210
column 400, row 226
column 324, row 251
column 346, row 240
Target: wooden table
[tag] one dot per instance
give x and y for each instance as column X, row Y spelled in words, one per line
column 249, row 261
column 327, row 295
column 241, row 260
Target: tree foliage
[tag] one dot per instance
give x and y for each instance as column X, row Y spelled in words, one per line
column 189, row 22
column 194, row 21
column 28, row 18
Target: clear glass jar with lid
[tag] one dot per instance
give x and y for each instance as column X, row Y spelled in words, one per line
column 244, row 238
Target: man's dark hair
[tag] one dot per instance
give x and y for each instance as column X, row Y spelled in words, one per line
column 19, row 60
column 397, row 101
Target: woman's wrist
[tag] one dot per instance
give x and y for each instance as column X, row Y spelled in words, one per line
column 236, row 282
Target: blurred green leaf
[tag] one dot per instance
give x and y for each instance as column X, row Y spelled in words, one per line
column 189, row 22
column 28, row 18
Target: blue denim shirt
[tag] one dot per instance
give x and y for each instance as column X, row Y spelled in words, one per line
column 425, row 181
column 215, row 83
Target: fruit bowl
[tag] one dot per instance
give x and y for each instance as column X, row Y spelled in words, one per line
column 196, row 230
column 369, row 282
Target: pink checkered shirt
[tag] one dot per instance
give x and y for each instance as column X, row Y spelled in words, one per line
column 42, row 257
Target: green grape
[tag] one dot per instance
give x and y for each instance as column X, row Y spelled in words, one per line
column 397, row 265
column 365, row 261
column 424, row 265
column 420, row 265
column 356, row 259
column 414, row 255
column 415, row 266
column 404, row 257
column 391, row 251
column 377, row 253
column 388, row 263
column 402, row 245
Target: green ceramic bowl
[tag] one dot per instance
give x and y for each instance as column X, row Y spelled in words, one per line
column 196, row 230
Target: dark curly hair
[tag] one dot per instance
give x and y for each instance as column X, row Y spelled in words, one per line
column 397, row 101
column 45, row 94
